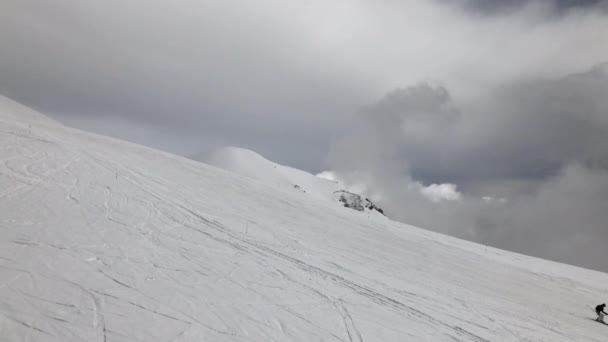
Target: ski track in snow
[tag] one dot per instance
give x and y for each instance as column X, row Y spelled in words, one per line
column 102, row 240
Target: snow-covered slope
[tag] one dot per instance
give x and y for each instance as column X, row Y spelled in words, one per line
column 253, row 165
column 250, row 164
column 103, row 240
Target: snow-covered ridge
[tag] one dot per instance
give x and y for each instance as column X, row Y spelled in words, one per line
column 103, row 240
column 17, row 112
column 251, row 164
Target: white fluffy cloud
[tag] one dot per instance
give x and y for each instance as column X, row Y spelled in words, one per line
column 441, row 192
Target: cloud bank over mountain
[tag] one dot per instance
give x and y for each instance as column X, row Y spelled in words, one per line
column 527, row 167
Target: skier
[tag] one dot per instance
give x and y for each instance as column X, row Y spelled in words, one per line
column 599, row 310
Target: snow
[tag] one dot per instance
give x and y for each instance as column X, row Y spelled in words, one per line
column 250, row 164
column 104, row 240
column 253, row 165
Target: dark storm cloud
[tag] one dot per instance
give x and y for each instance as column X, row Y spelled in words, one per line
column 528, row 130
column 558, row 6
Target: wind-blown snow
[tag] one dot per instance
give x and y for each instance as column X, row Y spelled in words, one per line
column 103, row 240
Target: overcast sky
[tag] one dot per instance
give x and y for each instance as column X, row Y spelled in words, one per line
column 500, row 103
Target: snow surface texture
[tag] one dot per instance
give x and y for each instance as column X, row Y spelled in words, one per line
column 250, row 164
column 103, row 240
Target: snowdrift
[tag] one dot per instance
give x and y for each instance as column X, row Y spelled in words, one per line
column 103, row 240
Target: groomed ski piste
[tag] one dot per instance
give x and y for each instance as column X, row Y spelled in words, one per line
column 104, row 240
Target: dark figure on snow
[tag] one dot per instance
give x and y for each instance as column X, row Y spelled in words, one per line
column 599, row 310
